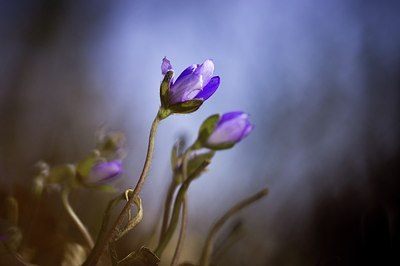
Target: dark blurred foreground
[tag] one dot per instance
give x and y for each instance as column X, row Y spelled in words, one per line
column 50, row 108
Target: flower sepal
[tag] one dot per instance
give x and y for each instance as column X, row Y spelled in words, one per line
column 84, row 167
column 96, row 171
column 220, row 132
column 165, row 87
column 196, row 161
column 196, row 165
column 186, row 107
column 205, row 131
column 177, row 153
column 163, row 113
column 222, row 146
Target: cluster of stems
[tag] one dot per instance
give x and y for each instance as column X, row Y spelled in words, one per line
column 170, row 220
column 169, row 225
column 106, row 237
column 175, row 208
column 195, row 85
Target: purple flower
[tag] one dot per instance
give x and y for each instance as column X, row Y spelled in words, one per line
column 231, row 128
column 105, row 171
column 196, row 82
column 165, row 66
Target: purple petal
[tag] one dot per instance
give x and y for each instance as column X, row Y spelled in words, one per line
column 231, row 115
column 192, row 81
column 209, row 89
column 187, row 71
column 206, row 71
column 232, row 127
column 103, row 172
column 247, row 130
column 166, row 66
column 186, row 87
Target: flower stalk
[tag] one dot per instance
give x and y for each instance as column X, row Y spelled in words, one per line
column 207, row 250
column 177, row 208
column 182, row 232
column 182, row 95
column 174, row 219
column 82, row 228
column 167, row 206
column 113, row 232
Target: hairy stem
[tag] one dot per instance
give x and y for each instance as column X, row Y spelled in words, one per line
column 206, row 254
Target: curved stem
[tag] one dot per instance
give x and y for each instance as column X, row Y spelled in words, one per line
column 166, row 237
column 149, row 156
column 174, row 219
column 75, row 218
column 167, row 207
column 171, row 190
column 182, row 232
column 206, row 254
column 106, row 217
column 185, row 163
column 101, row 243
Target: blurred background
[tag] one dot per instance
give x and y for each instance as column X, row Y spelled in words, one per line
column 320, row 80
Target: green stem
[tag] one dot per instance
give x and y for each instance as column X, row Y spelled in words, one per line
column 75, row 218
column 171, row 190
column 182, row 232
column 206, row 254
column 167, row 207
column 166, row 236
column 174, row 219
column 102, row 242
column 147, row 162
column 185, row 163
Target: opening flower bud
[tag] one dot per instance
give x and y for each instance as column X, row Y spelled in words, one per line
column 230, row 129
column 193, row 86
column 223, row 132
column 104, row 172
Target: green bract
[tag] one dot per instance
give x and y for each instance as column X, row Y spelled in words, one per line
column 205, row 131
column 219, row 132
column 197, row 161
column 165, row 87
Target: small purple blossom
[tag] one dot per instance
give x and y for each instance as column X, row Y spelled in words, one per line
column 105, row 171
column 195, row 82
column 231, row 128
column 165, row 66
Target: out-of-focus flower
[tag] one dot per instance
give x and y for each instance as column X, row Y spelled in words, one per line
column 223, row 132
column 193, row 86
column 104, row 172
column 231, row 127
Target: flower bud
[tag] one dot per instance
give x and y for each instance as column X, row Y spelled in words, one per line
column 223, row 132
column 193, row 86
column 104, row 172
